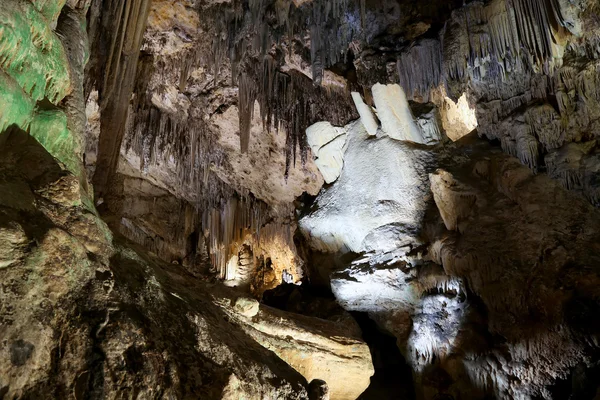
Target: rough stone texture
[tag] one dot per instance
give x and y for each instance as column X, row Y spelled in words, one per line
column 378, row 201
column 87, row 316
column 328, row 145
column 318, row 390
column 316, row 348
column 36, row 75
column 484, row 273
column 440, row 326
column 396, row 118
column 489, row 246
column 100, row 320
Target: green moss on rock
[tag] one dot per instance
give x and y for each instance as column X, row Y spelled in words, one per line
column 31, row 53
column 49, row 127
column 50, row 9
column 16, row 107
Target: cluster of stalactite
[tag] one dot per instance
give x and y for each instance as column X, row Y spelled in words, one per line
column 208, row 236
column 255, row 35
column 420, row 68
column 252, row 28
column 538, row 126
column 332, row 24
column 185, row 147
column 245, row 225
column 288, row 102
column 482, row 40
column 533, row 76
column 227, row 226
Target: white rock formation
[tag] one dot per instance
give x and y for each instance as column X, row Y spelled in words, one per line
column 366, row 114
column 246, row 306
column 396, row 118
column 328, row 144
column 379, row 198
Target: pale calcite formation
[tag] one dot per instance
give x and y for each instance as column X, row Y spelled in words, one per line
column 317, row 348
column 366, row 114
column 396, row 118
column 384, row 174
column 455, row 205
column 458, row 118
column 328, row 144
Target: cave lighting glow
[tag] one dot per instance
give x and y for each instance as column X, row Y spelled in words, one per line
column 458, row 118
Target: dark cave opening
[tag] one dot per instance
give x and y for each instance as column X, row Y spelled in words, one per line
column 580, row 384
column 393, row 376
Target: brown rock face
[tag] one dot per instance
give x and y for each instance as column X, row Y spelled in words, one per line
column 81, row 315
column 320, row 350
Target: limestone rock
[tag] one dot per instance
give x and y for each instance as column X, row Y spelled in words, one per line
column 12, row 247
column 318, row 349
column 318, row 390
column 247, row 307
column 328, row 145
column 396, row 118
column 388, row 177
column 366, row 114
column 427, row 296
column 107, row 320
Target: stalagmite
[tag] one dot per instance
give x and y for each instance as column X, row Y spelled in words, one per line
column 366, row 114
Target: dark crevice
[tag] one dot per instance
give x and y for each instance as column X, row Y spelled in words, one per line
column 393, row 376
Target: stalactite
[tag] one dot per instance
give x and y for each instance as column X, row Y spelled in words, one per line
column 183, row 146
column 247, row 97
column 250, row 32
column 527, row 148
column 546, row 125
column 535, row 23
column 484, row 42
column 227, row 226
column 420, row 68
column 288, row 102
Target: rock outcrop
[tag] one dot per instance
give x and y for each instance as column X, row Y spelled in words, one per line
column 318, row 349
column 487, row 244
column 97, row 318
column 87, row 316
column 84, row 314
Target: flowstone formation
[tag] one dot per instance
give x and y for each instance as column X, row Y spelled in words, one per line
column 450, row 247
